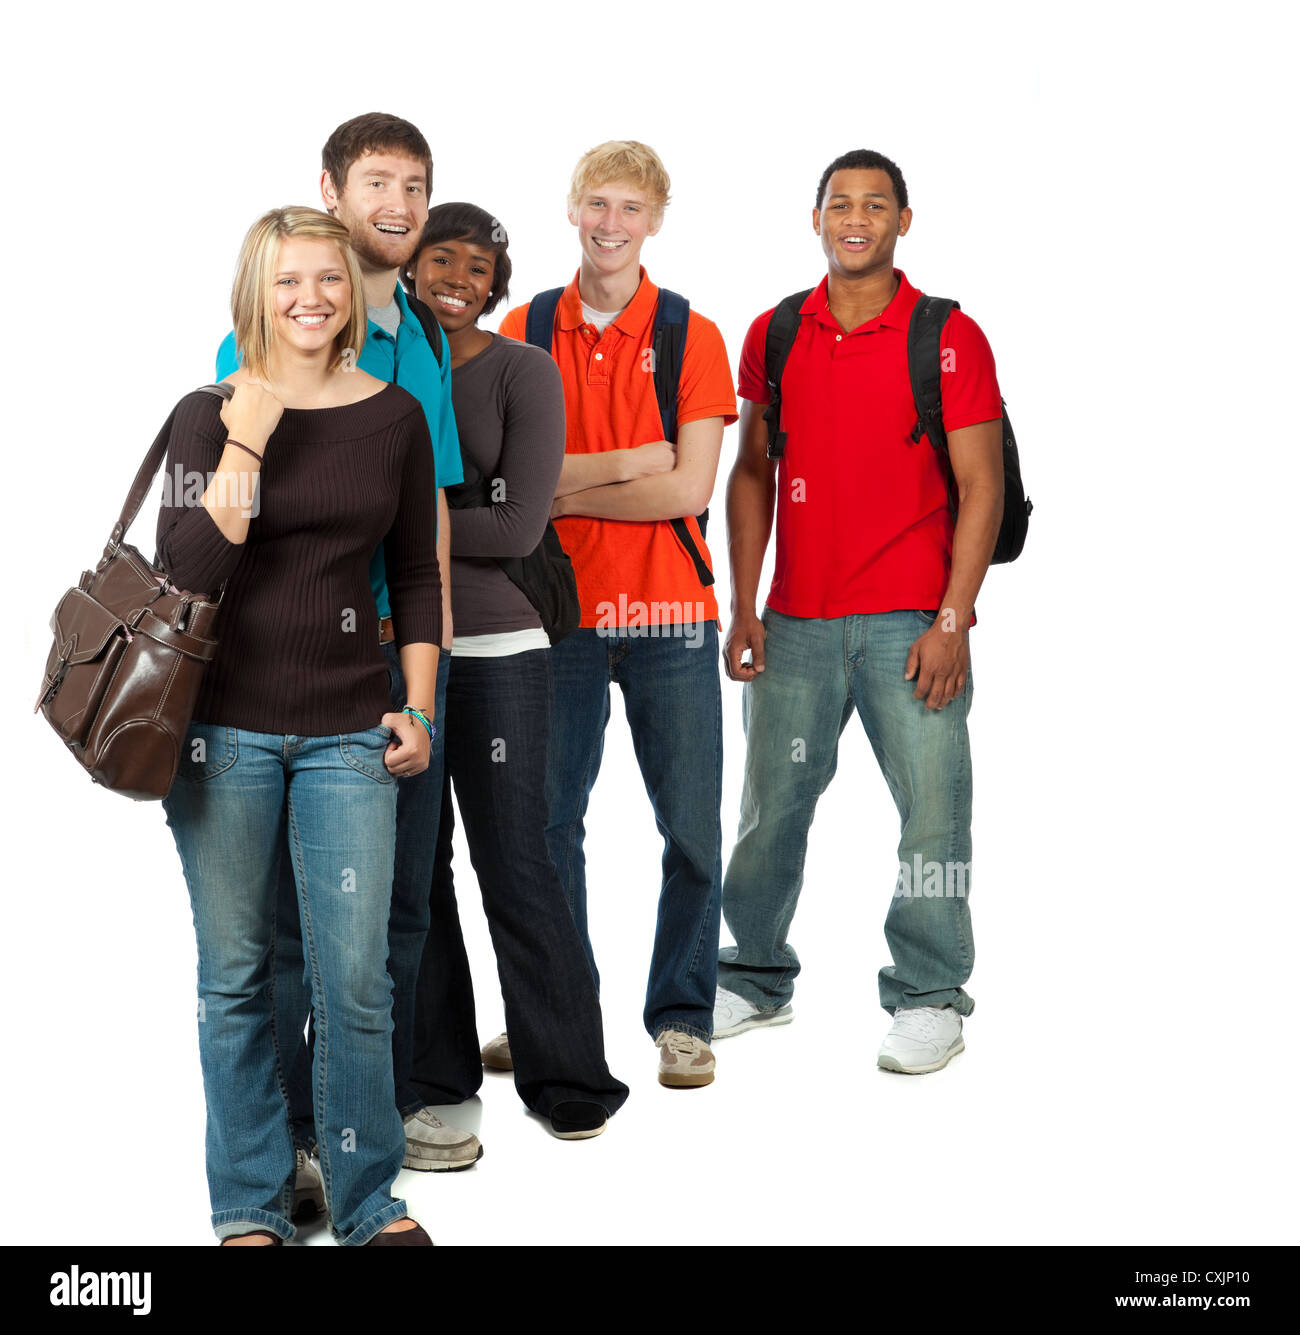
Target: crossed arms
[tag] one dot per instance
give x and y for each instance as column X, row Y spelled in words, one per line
column 646, row 482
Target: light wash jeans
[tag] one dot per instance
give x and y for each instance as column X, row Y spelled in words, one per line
column 817, row 673
column 419, row 805
column 229, row 815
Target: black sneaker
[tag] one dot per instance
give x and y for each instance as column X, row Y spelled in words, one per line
column 577, row 1121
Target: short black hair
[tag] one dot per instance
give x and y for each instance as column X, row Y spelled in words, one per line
column 468, row 222
column 864, row 159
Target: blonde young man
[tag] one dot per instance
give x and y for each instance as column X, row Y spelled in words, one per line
column 626, row 511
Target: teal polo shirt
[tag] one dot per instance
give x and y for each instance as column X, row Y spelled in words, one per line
column 408, row 361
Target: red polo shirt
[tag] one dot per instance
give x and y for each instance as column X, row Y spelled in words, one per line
column 862, row 522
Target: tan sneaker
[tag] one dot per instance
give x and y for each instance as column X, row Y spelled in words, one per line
column 432, row 1147
column 684, row 1060
column 496, row 1054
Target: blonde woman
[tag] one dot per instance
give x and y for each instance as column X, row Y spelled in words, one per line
column 310, row 465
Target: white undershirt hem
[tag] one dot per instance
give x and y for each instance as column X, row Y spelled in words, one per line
column 501, row 645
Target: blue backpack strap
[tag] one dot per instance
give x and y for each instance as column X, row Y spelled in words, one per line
column 781, row 331
column 668, row 346
column 539, row 324
column 668, row 342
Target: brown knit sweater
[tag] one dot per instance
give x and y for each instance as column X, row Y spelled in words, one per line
column 298, row 628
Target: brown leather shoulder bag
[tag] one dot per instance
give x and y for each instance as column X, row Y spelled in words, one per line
column 128, row 657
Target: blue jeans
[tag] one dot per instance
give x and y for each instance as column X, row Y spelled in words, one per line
column 818, row 672
column 236, row 797
column 419, row 800
column 674, row 709
column 496, row 756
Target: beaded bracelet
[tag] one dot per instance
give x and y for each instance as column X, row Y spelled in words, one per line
column 420, row 714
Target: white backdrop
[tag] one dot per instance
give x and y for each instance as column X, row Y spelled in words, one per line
column 1105, row 190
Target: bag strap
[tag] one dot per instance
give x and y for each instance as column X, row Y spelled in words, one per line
column 781, row 331
column 924, row 367
column 925, row 371
column 539, row 325
column 152, row 461
column 428, row 322
column 668, row 346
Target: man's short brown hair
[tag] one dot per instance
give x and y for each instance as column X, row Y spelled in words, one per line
column 374, row 132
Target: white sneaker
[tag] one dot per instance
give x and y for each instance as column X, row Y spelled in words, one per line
column 308, row 1189
column 923, row 1039
column 732, row 1014
column 432, row 1147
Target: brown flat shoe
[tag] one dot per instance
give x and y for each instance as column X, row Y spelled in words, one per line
column 407, row 1237
column 276, row 1239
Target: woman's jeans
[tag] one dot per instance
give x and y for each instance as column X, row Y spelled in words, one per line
column 818, row 673
column 237, row 796
column 419, row 798
column 496, row 756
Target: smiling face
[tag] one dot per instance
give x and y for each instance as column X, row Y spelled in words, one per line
column 613, row 221
column 384, row 204
column 312, row 295
column 859, row 222
column 454, row 279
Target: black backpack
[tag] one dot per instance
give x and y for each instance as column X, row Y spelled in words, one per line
column 545, row 576
column 924, row 336
column 668, row 343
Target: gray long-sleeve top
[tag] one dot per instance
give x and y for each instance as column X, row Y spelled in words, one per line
column 509, row 404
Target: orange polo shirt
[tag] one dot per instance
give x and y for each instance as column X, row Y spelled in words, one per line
column 631, row 572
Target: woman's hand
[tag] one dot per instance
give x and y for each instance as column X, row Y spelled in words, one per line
column 251, row 414
column 408, row 752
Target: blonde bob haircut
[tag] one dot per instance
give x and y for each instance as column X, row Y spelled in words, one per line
column 252, row 296
column 621, row 160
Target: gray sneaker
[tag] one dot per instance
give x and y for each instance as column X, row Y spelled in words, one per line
column 308, row 1189
column 432, row 1147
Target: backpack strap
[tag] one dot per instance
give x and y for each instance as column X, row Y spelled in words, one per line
column 668, row 346
column 428, row 322
column 781, row 331
column 925, row 371
column 539, row 325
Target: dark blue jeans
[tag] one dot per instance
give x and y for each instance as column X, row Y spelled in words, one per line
column 418, row 804
column 674, row 708
column 496, row 758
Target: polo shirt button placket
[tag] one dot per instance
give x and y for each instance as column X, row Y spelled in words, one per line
column 597, row 372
